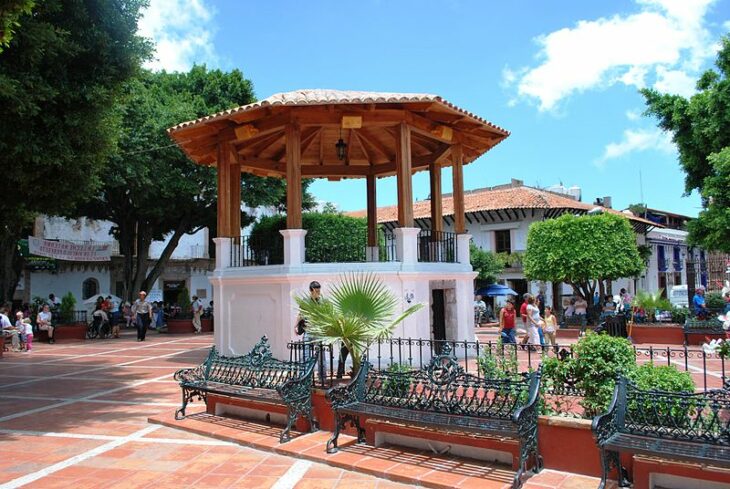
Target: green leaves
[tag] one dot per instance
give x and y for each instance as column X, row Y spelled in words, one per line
column 700, row 127
column 487, row 264
column 582, row 248
column 359, row 311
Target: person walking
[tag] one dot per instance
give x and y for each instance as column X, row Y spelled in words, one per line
column 197, row 307
column 534, row 322
column 315, row 291
column 142, row 312
column 551, row 324
column 507, row 322
column 523, row 315
column 44, row 320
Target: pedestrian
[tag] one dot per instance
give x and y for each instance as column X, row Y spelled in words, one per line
column 507, row 322
column 540, row 302
column 142, row 312
column 27, row 334
column 625, row 302
column 551, row 324
column 44, row 320
column 523, row 314
column 581, row 312
column 8, row 330
column 197, row 307
column 480, row 309
column 699, row 306
column 127, row 313
column 160, row 318
column 534, row 322
column 315, row 295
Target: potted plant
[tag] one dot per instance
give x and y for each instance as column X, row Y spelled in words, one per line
column 651, row 303
column 360, row 310
column 71, row 324
column 182, row 321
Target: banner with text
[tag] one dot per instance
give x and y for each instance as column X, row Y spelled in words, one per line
column 66, row 250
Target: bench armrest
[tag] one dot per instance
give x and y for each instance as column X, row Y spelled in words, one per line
column 606, row 425
column 352, row 392
column 187, row 375
column 526, row 415
column 300, row 387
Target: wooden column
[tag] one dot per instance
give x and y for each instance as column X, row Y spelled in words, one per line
column 403, row 175
column 457, row 154
column 437, row 219
column 372, row 212
column 224, row 190
column 234, row 203
column 293, row 176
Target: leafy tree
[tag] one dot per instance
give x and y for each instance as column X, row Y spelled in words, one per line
column 151, row 189
column 700, row 127
column 10, row 13
column 487, row 264
column 59, row 76
column 579, row 249
column 638, row 209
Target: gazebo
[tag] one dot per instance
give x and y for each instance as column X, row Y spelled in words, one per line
column 337, row 134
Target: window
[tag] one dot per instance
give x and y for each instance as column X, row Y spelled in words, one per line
column 89, row 288
column 502, row 241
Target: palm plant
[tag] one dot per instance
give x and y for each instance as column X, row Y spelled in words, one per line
column 359, row 311
column 651, row 302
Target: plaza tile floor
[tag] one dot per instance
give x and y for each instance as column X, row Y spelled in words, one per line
column 75, row 414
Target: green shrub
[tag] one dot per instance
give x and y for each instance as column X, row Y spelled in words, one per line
column 598, row 359
column 714, row 300
column 67, row 308
column 330, row 237
column 183, row 300
column 397, row 383
column 661, row 377
column 500, row 363
column 679, row 314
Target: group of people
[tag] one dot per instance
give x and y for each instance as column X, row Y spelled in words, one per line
column 21, row 332
column 539, row 325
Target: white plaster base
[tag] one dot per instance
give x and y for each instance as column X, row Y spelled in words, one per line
column 440, row 447
column 254, row 301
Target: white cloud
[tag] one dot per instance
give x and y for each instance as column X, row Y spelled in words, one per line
column 182, row 31
column 665, row 41
column 675, row 82
column 637, row 140
column 633, row 115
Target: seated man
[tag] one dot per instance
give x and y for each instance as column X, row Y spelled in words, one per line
column 9, row 330
column 698, row 304
column 479, row 309
column 45, row 322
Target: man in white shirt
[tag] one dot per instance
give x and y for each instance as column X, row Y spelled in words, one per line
column 197, row 308
column 142, row 312
column 9, row 330
column 44, row 321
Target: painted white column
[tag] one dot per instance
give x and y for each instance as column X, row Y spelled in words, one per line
column 372, row 253
column 406, row 244
column 293, row 246
column 222, row 253
column 462, row 248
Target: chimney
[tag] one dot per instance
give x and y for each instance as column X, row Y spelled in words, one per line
column 607, row 202
column 516, row 183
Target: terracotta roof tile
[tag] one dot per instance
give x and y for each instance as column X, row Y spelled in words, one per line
column 497, row 199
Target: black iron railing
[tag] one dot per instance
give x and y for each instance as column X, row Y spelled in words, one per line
column 416, row 353
column 249, row 251
column 436, row 246
column 72, row 317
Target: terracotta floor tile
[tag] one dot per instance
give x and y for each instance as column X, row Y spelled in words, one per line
column 579, row 482
column 322, row 472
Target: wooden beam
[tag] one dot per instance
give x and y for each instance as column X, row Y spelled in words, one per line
column 403, row 173
column 372, row 211
column 457, row 155
column 365, row 150
column 293, row 177
column 234, row 202
column 436, row 207
column 224, row 188
column 376, row 144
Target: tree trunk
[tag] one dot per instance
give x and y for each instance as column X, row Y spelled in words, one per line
column 126, row 238
column 10, row 265
column 156, row 271
column 144, row 239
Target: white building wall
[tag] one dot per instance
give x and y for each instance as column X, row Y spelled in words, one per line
column 45, row 283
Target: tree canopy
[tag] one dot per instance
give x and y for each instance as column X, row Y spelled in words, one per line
column 59, row 77
column 151, row 189
column 700, row 127
column 579, row 249
column 487, row 264
column 10, row 13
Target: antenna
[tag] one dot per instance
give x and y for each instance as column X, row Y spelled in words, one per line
column 641, row 192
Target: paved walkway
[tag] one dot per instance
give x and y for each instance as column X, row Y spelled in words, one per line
column 76, row 415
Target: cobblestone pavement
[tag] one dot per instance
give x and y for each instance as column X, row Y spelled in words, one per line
column 75, row 415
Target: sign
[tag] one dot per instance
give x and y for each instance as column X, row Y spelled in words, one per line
column 66, row 250
column 35, row 263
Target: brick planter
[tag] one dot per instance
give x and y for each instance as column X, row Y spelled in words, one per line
column 206, row 324
column 180, row 326
column 75, row 331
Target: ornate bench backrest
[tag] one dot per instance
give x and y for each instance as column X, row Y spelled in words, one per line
column 711, row 323
column 443, row 386
column 699, row 417
column 256, row 369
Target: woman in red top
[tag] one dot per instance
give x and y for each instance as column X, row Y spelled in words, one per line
column 507, row 322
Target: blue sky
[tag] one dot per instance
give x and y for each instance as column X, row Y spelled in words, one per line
column 562, row 76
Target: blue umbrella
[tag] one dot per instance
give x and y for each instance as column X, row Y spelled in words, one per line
column 495, row 290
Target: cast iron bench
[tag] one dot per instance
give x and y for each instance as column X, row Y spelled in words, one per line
column 442, row 396
column 702, row 326
column 256, row 376
column 693, row 427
